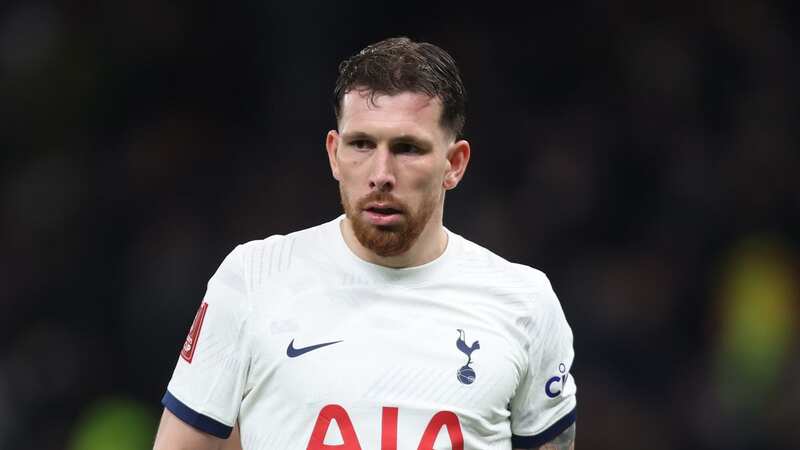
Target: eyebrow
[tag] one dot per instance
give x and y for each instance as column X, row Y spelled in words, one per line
column 356, row 135
column 404, row 138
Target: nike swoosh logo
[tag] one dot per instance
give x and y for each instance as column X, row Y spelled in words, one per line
column 292, row 352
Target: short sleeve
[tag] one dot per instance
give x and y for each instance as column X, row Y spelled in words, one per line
column 544, row 403
column 207, row 385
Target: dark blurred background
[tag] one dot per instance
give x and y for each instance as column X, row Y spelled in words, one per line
column 643, row 154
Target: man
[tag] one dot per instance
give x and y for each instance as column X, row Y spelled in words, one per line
column 380, row 329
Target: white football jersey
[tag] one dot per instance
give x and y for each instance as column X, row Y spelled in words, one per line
column 308, row 346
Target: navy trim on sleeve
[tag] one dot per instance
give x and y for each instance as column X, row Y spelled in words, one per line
column 194, row 418
column 545, row 436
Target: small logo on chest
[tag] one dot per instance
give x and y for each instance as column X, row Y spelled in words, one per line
column 466, row 374
column 293, row 352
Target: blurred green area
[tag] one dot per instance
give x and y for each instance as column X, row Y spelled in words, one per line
column 114, row 424
column 758, row 339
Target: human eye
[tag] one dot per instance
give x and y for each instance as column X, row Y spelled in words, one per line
column 361, row 144
column 406, row 147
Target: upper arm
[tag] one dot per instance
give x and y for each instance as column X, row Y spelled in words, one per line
column 564, row 441
column 175, row 434
column 544, row 404
column 209, row 381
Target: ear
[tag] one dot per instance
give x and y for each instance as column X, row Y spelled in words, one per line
column 457, row 158
column 332, row 146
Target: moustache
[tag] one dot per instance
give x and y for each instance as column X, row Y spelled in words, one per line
column 383, row 198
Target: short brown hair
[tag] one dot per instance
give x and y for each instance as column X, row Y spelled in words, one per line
column 398, row 65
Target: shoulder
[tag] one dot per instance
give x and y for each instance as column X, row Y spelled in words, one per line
column 259, row 260
column 541, row 301
column 474, row 257
column 526, row 286
column 307, row 236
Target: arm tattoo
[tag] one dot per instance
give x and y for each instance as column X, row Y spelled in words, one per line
column 564, row 441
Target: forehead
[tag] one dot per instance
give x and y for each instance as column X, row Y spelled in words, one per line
column 405, row 113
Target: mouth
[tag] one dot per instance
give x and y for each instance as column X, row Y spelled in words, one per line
column 384, row 210
column 383, row 214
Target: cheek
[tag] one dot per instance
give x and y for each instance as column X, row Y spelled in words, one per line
column 429, row 187
column 350, row 183
column 348, row 174
column 433, row 180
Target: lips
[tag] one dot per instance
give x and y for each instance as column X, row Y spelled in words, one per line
column 383, row 209
column 383, row 214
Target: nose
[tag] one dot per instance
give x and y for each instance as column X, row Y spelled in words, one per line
column 382, row 175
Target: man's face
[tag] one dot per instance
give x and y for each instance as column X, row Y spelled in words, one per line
column 391, row 158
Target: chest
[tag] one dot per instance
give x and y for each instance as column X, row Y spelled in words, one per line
column 435, row 347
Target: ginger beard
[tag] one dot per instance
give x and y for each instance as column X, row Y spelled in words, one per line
column 388, row 240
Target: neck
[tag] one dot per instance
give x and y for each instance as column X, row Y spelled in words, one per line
column 430, row 244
